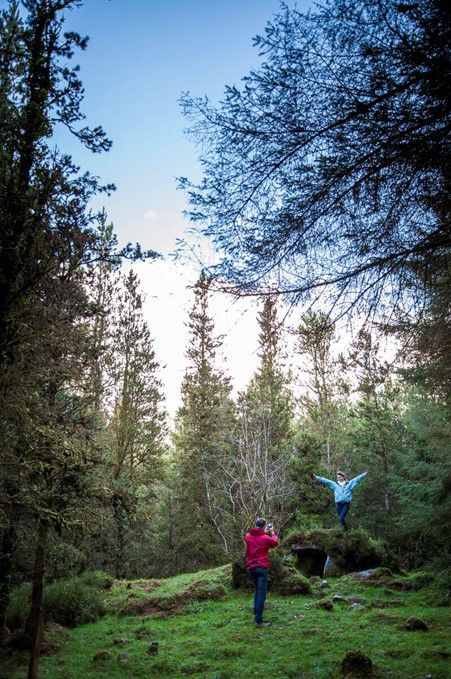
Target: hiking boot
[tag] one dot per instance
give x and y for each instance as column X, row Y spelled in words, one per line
column 262, row 624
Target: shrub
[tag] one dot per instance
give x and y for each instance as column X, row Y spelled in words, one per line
column 19, row 606
column 356, row 550
column 77, row 600
column 69, row 602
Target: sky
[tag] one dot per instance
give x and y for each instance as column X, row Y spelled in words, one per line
column 142, row 55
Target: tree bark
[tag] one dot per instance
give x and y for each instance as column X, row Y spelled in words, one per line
column 7, row 549
column 35, row 620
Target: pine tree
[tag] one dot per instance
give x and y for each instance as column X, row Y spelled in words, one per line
column 376, row 429
column 202, row 438
column 102, row 288
column 137, row 425
column 46, row 240
column 52, row 458
column 320, row 400
column 421, row 482
column 258, row 472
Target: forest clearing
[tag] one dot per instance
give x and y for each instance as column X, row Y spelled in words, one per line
column 197, row 625
column 324, row 196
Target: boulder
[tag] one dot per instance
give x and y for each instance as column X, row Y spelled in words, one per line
column 120, row 641
column 282, row 577
column 333, row 553
column 331, row 569
column 292, row 582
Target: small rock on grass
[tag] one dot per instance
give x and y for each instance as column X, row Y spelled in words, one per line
column 153, row 648
column 356, row 664
column 415, row 625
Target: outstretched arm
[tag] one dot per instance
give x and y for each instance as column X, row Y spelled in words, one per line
column 357, row 479
column 327, row 482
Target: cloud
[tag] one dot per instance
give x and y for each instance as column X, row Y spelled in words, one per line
column 155, row 217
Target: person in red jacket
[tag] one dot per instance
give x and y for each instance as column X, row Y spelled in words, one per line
column 259, row 541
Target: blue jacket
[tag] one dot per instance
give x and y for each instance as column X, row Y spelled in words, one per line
column 342, row 493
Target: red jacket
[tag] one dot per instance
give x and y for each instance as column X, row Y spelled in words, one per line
column 258, row 545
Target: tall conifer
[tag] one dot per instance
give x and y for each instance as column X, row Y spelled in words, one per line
column 202, row 438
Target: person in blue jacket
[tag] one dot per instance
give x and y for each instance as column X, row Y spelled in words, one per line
column 342, row 492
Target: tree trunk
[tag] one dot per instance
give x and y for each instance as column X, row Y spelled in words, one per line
column 121, row 519
column 388, row 501
column 35, row 622
column 7, row 549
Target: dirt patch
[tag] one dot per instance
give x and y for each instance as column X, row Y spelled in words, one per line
column 164, row 607
column 149, row 585
column 161, row 607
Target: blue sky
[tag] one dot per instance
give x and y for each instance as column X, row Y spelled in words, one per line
column 141, row 56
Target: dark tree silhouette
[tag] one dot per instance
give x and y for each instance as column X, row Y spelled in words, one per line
column 327, row 174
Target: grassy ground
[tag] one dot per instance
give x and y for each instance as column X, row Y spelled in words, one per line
column 197, row 626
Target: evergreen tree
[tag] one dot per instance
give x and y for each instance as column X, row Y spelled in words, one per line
column 102, row 288
column 52, row 459
column 321, row 429
column 43, row 199
column 46, row 241
column 427, row 339
column 136, row 429
column 44, row 230
column 323, row 387
column 376, row 429
column 202, row 439
column 258, row 482
column 421, row 481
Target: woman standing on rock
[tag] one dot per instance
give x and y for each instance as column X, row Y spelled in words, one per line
column 342, row 492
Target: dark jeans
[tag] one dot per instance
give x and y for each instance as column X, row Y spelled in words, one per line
column 259, row 577
column 342, row 510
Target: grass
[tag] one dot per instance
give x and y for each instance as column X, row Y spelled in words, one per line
column 213, row 637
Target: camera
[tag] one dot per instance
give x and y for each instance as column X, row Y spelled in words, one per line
column 269, row 525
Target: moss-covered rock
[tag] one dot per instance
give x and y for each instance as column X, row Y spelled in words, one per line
column 347, row 552
column 384, row 577
column 293, row 583
column 283, row 577
column 325, row 604
column 240, row 577
column 356, row 664
column 415, row 625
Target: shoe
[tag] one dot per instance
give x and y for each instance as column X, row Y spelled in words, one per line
column 262, row 624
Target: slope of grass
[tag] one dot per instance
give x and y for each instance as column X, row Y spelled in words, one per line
column 196, row 625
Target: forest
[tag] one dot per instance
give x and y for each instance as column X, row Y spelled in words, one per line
column 326, row 190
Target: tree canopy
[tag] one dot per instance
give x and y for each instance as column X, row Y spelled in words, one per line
column 326, row 175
